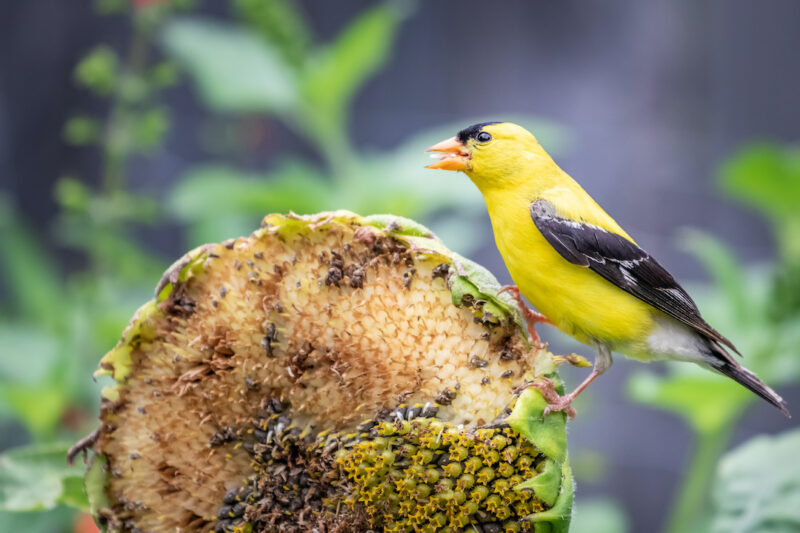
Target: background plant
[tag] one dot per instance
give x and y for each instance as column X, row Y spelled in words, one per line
column 67, row 305
column 56, row 323
column 758, row 307
column 263, row 62
column 267, row 62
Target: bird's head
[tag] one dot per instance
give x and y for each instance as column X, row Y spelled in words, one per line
column 492, row 154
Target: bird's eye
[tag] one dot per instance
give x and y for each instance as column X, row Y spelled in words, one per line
column 484, row 137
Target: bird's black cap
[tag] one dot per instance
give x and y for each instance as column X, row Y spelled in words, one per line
column 472, row 131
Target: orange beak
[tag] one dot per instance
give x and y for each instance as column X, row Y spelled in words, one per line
column 453, row 155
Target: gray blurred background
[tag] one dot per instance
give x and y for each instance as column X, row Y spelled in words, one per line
column 651, row 97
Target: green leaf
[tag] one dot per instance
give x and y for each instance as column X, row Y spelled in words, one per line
column 96, row 481
column 720, row 263
column 342, row 68
column 214, row 190
column 757, row 487
column 81, row 130
column 111, row 248
column 51, row 521
column 37, row 477
column 557, row 519
column 233, row 69
column 39, row 407
column 219, row 201
column 24, row 341
column 707, row 401
column 150, row 128
column 163, row 74
column 280, row 21
column 32, row 393
column 549, row 434
column 98, row 70
column 765, row 176
column 599, row 515
column 546, row 484
column 31, row 280
column 72, row 194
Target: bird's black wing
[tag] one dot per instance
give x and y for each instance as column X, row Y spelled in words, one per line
column 623, row 263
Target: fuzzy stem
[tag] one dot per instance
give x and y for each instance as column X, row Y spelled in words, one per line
column 117, row 146
column 693, row 492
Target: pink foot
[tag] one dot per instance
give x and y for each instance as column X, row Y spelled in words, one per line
column 555, row 402
column 531, row 317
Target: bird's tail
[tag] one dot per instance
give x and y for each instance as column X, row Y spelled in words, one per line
column 727, row 366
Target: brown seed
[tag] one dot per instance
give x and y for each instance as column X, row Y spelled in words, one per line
column 441, row 271
column 446, row 396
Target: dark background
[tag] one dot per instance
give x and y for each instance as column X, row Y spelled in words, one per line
column 652, row 94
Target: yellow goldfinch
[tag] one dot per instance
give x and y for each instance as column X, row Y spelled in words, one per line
column 575, row 264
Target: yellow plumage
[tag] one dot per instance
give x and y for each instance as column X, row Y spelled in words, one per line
column 577, row 266
column 575, row 299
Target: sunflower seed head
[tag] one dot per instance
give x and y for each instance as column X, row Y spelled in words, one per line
column 324, row 364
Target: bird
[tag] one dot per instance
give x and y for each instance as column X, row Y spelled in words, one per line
column 579, row 268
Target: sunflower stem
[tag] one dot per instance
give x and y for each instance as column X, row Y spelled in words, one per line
column 693, row 492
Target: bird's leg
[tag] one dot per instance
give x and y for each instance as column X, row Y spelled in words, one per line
column 556, row 402
column 531, row 317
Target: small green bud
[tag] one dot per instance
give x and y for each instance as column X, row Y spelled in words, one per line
column 465, row 482
column 444, row 485
column 387, row 458
column 498, row 442
column 479, row 493
column 505, row 469
column 423, row 491
column 439, row 520
column 458, row 453
column 485, row 475
column 472, row 465
column 510, row 453
column 423, row 457
column 453, row 469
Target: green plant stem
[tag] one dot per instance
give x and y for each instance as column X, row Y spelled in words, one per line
column 693, row 491
column 117, row 147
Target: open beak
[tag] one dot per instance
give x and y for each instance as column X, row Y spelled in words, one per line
column 453, row 155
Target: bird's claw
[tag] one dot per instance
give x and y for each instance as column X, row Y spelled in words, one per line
column 555, row 402
column 565, row 405
column 531, row 317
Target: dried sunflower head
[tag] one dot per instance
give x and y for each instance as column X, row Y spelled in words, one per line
column 330, row 373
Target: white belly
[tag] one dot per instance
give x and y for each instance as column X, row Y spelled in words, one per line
column 670, row 340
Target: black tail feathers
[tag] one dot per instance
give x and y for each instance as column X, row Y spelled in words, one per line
column 741, row 375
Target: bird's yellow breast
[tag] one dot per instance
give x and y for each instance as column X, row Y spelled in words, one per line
column 575, row 299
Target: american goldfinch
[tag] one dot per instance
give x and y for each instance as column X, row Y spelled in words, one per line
column 578, row 267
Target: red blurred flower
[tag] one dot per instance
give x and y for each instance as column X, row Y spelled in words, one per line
column 84, row 523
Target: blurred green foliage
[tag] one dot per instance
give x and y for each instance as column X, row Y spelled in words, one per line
column 755, row 307
column 269, row 64
column 767, row 178
column 264, row 63
column 56, row 323
column 757, row 487
column 599, row 515
column 34, row 478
